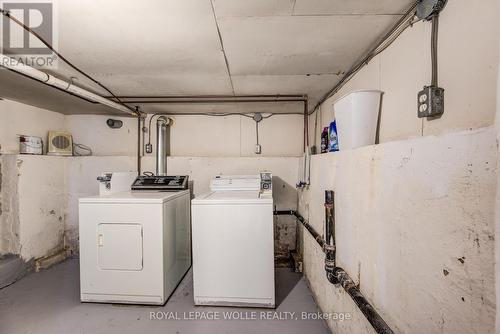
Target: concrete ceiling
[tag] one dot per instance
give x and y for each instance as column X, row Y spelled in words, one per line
column 203, row 47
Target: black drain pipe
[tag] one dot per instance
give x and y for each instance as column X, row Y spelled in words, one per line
column 301, row 219
column 330, row 248
column 334, row 274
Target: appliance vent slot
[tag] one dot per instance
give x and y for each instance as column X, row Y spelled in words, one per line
column 60, row 142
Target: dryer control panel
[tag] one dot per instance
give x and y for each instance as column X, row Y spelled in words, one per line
column 162, row 183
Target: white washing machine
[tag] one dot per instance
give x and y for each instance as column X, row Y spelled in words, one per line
column 233, row 243
column 135, row 247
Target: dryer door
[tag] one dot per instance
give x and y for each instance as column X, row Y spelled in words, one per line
column 119, row 246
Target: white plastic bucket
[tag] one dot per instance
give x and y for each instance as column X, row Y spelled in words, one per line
column 356, row 115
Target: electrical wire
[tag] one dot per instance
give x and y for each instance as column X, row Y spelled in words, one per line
column 407, row 20
column 316, row 126
column 194, row 114
column 207, row 114
column 48, row 45
column 434, row 49
column 257, row 131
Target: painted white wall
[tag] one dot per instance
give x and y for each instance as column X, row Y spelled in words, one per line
column 198, row 136
column 9, row 207
column 39, row 197
column 33, row 205
column 412, row 207
column 22, row 119
column 92, row 131
column 468, row 63
column 497, row 202
column 40, row 193
column 414, row 227
column 81, row 181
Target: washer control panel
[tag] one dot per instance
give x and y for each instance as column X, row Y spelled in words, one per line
column 266, row 182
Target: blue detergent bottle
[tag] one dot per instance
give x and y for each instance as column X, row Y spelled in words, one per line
column 333, row 143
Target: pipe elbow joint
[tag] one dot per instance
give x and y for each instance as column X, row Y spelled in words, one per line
column 330, row 276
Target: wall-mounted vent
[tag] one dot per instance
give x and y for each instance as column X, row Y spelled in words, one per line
column 60, row 143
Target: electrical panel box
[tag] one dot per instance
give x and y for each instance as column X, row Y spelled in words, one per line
column 430, row 102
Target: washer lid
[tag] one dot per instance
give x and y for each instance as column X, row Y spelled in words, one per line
column 235, row 183
column 233, row 197
column 135, row 197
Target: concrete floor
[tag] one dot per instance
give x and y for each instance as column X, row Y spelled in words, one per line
column 49, row 302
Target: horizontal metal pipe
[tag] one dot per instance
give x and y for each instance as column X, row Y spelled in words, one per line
column 8, row 14
column 209, row 101
column 48, row 79
column 301, row 219
column 191, row 97
column 340, row 276
column 59, row 89
column 222, row 114
column 284, row 213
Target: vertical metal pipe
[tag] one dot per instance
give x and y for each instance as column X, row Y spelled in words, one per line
column 162, row 147
column 337, row 275
column 139, row 130
column 143, row 143
column 330, row 247
column 329, row 217
column 306, row 123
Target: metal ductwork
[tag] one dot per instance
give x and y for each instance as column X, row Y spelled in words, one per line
column 162, row 144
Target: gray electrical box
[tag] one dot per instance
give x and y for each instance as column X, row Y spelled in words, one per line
column 430, row 102
column 426, row 9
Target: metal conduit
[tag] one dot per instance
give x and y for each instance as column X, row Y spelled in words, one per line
column 434, row 50
column 403, row 23
column 194, row 99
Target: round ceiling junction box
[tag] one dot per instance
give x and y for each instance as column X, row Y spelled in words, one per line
column 257, row 117
column 426, row 9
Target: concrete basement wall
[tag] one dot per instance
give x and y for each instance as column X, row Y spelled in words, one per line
column 415, row 228
column 231, row 136
column 415, row 215
column 21, row 119
column 34, row 203
column 468, row 64
column 197, row 136
column 31, row 188
column 82, row 171
column 497, row 202
column 39, row 195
